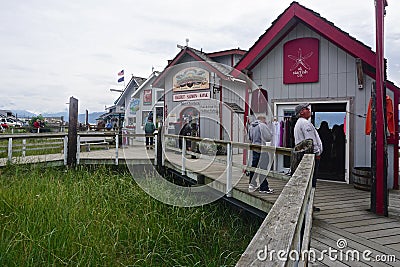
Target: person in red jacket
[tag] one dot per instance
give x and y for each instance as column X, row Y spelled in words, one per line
column 36, row 125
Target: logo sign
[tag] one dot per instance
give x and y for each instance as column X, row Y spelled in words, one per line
column 134, row 106
column 191, row 96
column 147, row 95
column 191, row 79
column 301, row 61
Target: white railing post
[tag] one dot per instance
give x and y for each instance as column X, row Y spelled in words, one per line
column 78, row 149
column 155, row 148
column 229, row 170
column 65, row 149
column 116, row 149
column 162, row 149
column 23, row 147
column 10, row 149
column 183, row 170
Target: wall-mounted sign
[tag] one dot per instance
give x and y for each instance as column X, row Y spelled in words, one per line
column 191, row 79
column 301, row 61
column 134, row 106
column 147, row 96
column 191, row 96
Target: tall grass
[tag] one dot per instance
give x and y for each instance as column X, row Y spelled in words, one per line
column 100, row 217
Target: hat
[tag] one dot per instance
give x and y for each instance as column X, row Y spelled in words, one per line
column 300, row 107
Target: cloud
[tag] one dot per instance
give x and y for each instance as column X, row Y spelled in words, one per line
column 51, row 50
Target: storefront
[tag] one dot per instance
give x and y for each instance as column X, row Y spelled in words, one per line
column 303, row 58
column 200, row 91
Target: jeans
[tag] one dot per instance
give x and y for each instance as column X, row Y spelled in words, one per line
column 149, row 141
column 259, row 160
column 315, row 174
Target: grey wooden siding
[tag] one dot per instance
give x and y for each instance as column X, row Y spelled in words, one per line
column 337, row 79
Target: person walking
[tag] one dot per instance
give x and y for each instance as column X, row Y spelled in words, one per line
column 303, row 130
column 259, row 134
column 149, row 129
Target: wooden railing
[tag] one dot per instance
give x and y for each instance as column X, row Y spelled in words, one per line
column 287, row 227
column 284, row 237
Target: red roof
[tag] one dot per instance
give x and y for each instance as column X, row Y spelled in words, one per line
column 292, row 16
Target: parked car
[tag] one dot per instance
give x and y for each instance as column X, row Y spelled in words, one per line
column 10, row 122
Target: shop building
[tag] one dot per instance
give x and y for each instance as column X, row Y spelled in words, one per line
column 304, row 58
column 200, row 90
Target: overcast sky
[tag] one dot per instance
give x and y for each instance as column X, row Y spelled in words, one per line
column 51, row 50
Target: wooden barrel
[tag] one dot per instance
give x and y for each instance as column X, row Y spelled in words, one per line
column 362, row 178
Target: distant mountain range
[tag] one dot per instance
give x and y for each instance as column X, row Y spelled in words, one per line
column 81, row 117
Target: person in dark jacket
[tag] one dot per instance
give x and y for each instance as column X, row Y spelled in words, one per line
column 186, row 130
column 149, row 129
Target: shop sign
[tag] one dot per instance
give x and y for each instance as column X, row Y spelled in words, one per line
column 191, row 96
column 147, row 96
column 191, row 79
column 301, row 61
column 134, row 106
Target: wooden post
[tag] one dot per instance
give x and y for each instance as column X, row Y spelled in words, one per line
column 87, row 120
column 65, row 149
column 183, row 170
column 78, row 149
column 155, row 149
column 116, row 149
column 72, row 131
column 379, row 205
column 10, row 149
column 23, row 147
column 229, row 170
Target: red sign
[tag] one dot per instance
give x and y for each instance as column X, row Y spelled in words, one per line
column 301, row 61
column 147, row 96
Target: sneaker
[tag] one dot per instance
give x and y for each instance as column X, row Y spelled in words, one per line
column 269, row 191
column 252, row 188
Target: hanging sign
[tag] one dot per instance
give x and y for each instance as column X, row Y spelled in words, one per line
column 147, row 95
column 191, row 79
column 134, row 106
column 191, row 96
column 301, row 61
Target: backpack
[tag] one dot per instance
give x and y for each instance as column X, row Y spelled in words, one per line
column 149, row 127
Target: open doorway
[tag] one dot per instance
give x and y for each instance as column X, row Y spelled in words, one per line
column 330, row 121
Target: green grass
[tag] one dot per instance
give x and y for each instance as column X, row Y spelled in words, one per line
column 100, row 217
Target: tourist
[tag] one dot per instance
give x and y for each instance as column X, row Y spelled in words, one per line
column 259, row 134
column 303, row 130
column 149, row 129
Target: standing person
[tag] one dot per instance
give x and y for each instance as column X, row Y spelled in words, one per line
column 303, row 130
column 36, row 125
column 259, row 133
column 186, row 130
column 149, row 129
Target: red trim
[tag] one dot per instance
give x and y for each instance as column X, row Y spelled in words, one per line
column 179, row 56
column 318, row 24
column 226, row 52
column 272, row 47
column 266, row 38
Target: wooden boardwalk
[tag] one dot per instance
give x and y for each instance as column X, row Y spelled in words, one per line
column 344, row 211
column 344, row 215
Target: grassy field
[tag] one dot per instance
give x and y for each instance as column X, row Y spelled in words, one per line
column 100, row 217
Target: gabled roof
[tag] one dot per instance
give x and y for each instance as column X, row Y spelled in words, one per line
column 235, row 51
column 148, row 80
column 132, row 85
column 200, row 56
column 292, row 16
